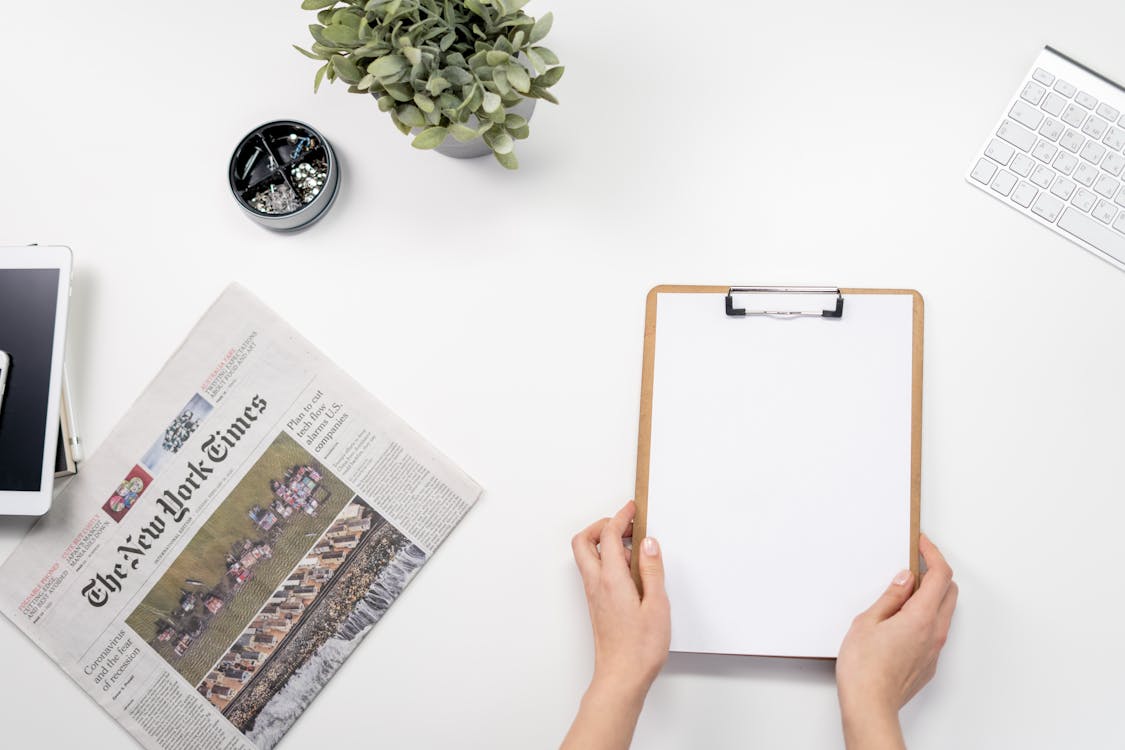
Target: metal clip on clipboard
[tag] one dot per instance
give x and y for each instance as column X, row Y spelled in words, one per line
column 739, row 312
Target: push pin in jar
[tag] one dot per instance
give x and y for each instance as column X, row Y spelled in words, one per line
column 284, row 175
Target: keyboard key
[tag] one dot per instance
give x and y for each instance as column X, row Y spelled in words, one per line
column 1108, row 112
column 1088, row 230
column 1105, row 186
column 1113, row 163
column 999, row 152
column 1022, row 165
column 1120, row 199
column 1084, row 199
column 984, row 170
column 1084, row 174
column 1026, row 115
column 1065, row 163
column 1017, row 135
column 1051, row 129
column 1104, row 212
column 1086, row 100
column 1047, row 207
column 1043, row 176
column 1119, row 225
column 1066, row 89
column 1093, row 152
column 1071, row 141
column 1004, row 182
column 1034, row 93
column 1044, row 151
column 1024, row 194
column 1074, row 115
column 1053, row 104
column 1095, row 127
column 1063, row 188
column 1043, row 77
column 1114, row 138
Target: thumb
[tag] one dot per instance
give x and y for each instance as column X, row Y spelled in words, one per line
column 651, row 566
column 894, row 597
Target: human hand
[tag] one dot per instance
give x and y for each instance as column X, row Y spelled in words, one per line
column 632, row 631
column 891, row 651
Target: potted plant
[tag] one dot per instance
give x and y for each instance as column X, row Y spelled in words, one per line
column 467, row 69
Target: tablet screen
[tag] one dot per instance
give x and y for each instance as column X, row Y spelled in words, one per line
column 28, row 301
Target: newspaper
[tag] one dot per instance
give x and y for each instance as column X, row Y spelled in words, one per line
column 241, row 529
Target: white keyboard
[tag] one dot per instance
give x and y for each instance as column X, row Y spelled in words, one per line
column 1057, row 155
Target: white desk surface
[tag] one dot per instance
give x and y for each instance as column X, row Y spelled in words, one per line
column 501, row 314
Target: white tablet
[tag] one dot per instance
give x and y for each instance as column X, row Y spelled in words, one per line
column 34, row 292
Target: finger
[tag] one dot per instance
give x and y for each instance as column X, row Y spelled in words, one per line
column 893, row 598
column 652, row 571
column 945, row 613
column 612, row 547
column 585, row 546
column 936, row 580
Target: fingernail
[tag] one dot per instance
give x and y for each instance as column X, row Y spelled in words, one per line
column 650, row 547
column 902, row 578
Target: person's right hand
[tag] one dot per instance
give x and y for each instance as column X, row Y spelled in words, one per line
column 891, row 651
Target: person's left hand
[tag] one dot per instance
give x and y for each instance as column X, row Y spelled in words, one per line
column 632, row 630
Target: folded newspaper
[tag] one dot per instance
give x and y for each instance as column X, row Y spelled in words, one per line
column 241, row 529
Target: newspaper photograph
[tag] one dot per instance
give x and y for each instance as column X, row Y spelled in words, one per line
column 246, row 524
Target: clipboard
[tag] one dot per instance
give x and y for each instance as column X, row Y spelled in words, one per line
column 873, row 339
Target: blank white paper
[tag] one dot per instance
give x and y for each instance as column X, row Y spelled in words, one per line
column 779, row 482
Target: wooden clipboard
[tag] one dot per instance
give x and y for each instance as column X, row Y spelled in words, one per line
column 640, row 524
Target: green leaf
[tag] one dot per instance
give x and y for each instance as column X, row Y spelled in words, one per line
column 456, row 76
column 425, row 103
column 346, row 68
column 306, row 53
column 539, row 93
column 338, row 33
column 517, row 76
column 502, row 143
column 476, row 8
column 413, row 54
column 541, row 27
column 317, row 4
column 520, row 133
column 447, row 41
column 388, row 66
column 496, row 57
column 402, row 92
column 536, row 61
column 346, row 17
column 551, row 77
column 500, row 78
column 319, row 77
column 462, row 132
column 411, row 115
column 517, row 39
column 509, row 160
column 386, row 103
column 436, row 85
column 366, row 82
column 491, row 102
column 402, row 126
column 548, row 56
column 514, row 122
column 430, row 138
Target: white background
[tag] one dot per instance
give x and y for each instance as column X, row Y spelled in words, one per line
column 502, row 315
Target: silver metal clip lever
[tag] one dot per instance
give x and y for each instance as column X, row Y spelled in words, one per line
column 837, row 312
